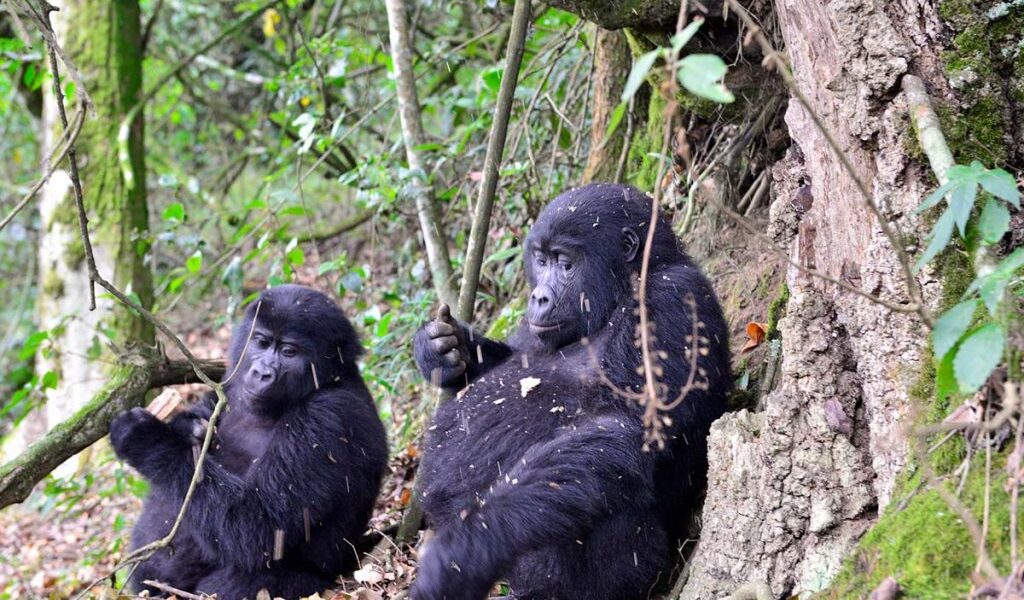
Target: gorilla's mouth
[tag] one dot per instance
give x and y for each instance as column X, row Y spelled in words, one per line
column 544, row 327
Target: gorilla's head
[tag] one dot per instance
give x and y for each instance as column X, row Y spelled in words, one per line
column 581, row 254
column 300, row 342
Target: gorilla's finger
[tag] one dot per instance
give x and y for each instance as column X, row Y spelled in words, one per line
column 443, row 344
column 444, row 313
column 452, row 357
column 436, row 329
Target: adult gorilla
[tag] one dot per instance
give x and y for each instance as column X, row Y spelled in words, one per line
column 294, row 469
column 537, row 471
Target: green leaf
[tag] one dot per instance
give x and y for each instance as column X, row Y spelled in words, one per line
column 940, row 236
column 992, row 289
column 993, row 222
column 978, row 355
column 174, row 212
column 641, row 67
column 49, row 381
column 194, row 262
column 1011, row 263
column 504, row 254
column 683, row 37
column 936, row 196
column 492, row 79
column 702, row 75
column 961, row 202
column 613, row 123
column 1000, row 184
column 951, row 326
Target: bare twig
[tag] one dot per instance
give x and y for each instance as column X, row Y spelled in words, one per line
column 492, row 160
column 64, row 145
column 173, row 590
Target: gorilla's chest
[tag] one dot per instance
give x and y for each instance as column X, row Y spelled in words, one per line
column 241, row 441
column 482, row 433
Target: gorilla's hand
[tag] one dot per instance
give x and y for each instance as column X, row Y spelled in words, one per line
column 440, row 349
column 191, row 427
column 441, row 575
column 139, row 438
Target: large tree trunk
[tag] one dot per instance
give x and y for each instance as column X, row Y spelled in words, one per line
column 102, row 38
column 795, row 483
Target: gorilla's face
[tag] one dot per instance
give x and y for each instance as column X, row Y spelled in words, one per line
column 575, row 279
column 276, row 368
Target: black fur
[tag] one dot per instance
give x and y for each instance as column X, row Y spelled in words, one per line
column 536, row 472
column 289, row 450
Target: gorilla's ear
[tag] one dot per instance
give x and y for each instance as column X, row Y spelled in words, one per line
column 630, row 244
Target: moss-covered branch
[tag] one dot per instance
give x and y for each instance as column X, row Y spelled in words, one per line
column 136, row 373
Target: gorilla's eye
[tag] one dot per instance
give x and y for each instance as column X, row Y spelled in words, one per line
column 540, row 258
column 565, row 263
column 261, row 342
column 288, row 351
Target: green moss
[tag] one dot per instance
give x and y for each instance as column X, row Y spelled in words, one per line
column 775, row 310
column 925, row 546
column 646, row 145
column 977, row 131
column 53, row 285
column 74, row 252
column 977, row 128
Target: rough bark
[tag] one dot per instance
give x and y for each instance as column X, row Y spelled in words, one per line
column 103, row 39
column 794, row 485
column 612, row 63
column 790, row 493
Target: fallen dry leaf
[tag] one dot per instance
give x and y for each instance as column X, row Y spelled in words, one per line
column 755, row 336
column 369, row 574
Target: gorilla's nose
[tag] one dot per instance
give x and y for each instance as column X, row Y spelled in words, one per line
column 541, row 296
column 263, row 374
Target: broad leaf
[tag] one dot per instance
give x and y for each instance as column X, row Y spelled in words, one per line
column 641, row 67
column 993, row 222
column 961, row 202
column 978, row 355
column 992, row 289
column 1000, row 184
column 951, row 326
column 936, row 196
column 194, row 262
column 613, row 122
column 683, row 37
column 941, row 234
column 701, row 74
column 174, row 212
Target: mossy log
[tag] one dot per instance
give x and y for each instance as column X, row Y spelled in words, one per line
column 137, row 373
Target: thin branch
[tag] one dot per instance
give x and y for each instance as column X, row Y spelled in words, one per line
column 42, row 20
column 163, row 587
column 414, row 137
column 64, row 145
column 495, row 149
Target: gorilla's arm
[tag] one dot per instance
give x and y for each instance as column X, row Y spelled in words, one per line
column 451, row 355
column 553, row 496
column 311, row 464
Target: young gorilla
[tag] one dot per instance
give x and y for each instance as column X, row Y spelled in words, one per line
column 537, row 471
column 295, row 465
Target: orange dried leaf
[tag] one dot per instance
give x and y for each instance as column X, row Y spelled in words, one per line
column 755, row 336
column 405, row 497
column 412, row 450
